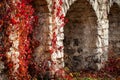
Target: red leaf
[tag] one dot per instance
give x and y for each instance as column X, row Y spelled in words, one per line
column 13, row 21
column 1, row 22
column 51, row 51
column 60, row 2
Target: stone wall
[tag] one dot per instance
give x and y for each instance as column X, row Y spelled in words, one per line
column 41, row 31
column 114, row 30
column 101, row 9
column 80, row 34
column 89, row 24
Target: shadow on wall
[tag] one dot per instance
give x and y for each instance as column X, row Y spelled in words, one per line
column 114, row 30
column 80, row 36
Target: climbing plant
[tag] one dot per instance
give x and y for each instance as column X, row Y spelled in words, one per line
column 19, row 21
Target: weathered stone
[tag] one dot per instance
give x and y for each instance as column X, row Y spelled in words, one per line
column 118, row 45
column 92, row 66
column 76, row 42
column 81, row 30
column 78, row 58
column 79, row 50
column 70, row 51
column 114, row 29
column 66, row 42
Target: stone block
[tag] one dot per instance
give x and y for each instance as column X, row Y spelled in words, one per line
column 76, row 42
column 78, row 58
column 66, row 42
column 70, row 51
column 79, row 50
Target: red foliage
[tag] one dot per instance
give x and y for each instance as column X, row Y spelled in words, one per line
column 1, row 22
column 20, row 15
column 58, row 15
column 26, row 12
column 13, row 21
column 113, row 66
column 57, row 11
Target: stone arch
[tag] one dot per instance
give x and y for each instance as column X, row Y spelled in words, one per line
column 41, row 31
column 114, row 30
column 117, row 2
column 80, row 34
column 66, row 5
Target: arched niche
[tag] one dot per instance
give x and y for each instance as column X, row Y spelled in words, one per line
column 80, row 35
column 114, row 30
column 41, row 30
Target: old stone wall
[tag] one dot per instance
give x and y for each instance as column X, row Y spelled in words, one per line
column 102, row 9
column 89, row 30
column 80, row 33
column 114, row 30
column 99, row 38
column 41, row 31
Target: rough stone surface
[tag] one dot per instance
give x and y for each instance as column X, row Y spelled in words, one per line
column 114, row 30
column 80, row 32
column 41, row 31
